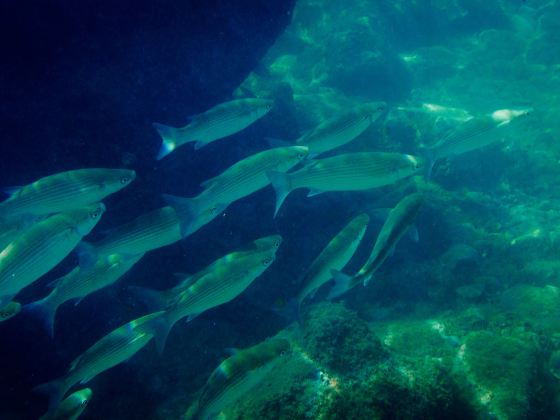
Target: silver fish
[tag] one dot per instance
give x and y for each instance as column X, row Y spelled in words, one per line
column 111, row 350
column 65, row 191
column 221, row 121
column 81, row 282
column 347, row 172
column 236, row 376
column 42, row 247
column 334, row 256
column 341, row 129
column 399, row 220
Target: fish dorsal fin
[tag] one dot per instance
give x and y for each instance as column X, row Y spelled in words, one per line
column 208, row 182
column 313, row 192
column 231, row 351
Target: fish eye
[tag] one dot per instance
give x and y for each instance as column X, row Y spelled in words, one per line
column 124, row 179
column 266, row 261
column 3, row 314
column 94, row 214
column 84, row 403
column 300, row 155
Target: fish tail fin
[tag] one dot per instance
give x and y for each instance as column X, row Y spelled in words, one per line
column 55, row 390
column 169, row 136
column 342, row 283
column 281, row 183
column 161, row 327
column 154, row 299
column 87, row 254
column 45, row 311
column 187, row 211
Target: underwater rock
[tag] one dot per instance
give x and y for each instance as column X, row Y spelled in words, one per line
column 501, row 369
column 338, row 339
column 470, row 291
column 554, row 364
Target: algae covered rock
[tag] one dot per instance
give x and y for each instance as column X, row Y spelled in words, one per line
column 502, row 370
column 338, row 339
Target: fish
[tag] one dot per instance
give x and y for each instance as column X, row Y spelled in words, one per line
column 439, row 111
column 42, row 247
column 475, row 134
column 218, row 122
column 236, row 376
column 158, row 300
column 147, row 232
column 65, row 191
column 216, row 287
column 249, row 175
column 346, row 172
column 114, row 348
column 79, row 283
column 342, row 129
column 71, row 407
column 400, row 219
column 334, row 256
column 9, row 310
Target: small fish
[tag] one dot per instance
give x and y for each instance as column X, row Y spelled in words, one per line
column 440, row 111
column 334, row 256
column 81, row 282
column 475, row 134
column 159, row 300
column 221, row 121
column 341, row 129
column 149, row 231
column 111, row 350
column 399, row 220
column 42, row 247
column 70, row 408
column 224, row 283
column 65, row 191
column 347, row 172
column 236, row 376
column 10, row 310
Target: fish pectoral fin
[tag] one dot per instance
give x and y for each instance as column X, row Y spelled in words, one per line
column 78, row 300
column 199, row 145
column 86, row 380
column 314, row 192
column 413, row 233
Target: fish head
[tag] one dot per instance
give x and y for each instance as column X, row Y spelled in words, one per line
column 107, row 180
column 276, row 347
column 504, row 116
column 411, row 165
column 120, row 178
column 268, row 242
column 76, row 403
column 10, row 310
column 261, row 107
column 87, row 217
column 372, row 110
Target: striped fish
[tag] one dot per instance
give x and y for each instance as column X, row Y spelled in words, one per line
column 475, row 134
column 347, row 172
column 65, row 191
column 42, row 247
column 236, row 376
column 111, row 350
column 81, row 282
column 72, row 407
column 341, row 129
column 334, row 256
column 221, row 121
column 215, row 288
column 400, row 218
column 240, row 180
column 149, row 231
column 158, row 300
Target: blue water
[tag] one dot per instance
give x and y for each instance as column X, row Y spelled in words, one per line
column 82, row 83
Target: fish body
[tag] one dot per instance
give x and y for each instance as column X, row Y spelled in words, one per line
column 42, row 247
column 249, row 175
column 476, row 133
column 111, row 350
column 341, row 129
column 9, row 310
column 149, row 231
column 236, row 376
column 400, row 218
column 346, row 172
column 71, row 407
column 221, row 121
column 334, row 256
column 80, row 282
column 65, row 191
